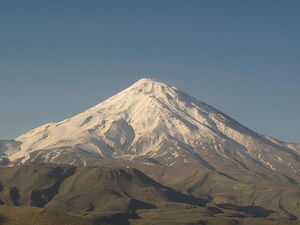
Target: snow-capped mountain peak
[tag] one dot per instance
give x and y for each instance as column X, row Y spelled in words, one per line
column 160, row 124
column 146, row 106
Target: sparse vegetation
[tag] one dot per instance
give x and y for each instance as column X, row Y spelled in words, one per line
column 99, row 195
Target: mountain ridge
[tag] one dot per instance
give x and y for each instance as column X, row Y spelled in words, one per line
column 122, row 195
column 156, row 123
column 193, row 159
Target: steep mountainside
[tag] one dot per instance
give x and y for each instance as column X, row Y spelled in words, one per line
column 201, row 166
column 152, row 122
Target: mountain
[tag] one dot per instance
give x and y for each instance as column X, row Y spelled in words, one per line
column 152, row 154
column 86, row 192
column 153, row 123
column 98, row 196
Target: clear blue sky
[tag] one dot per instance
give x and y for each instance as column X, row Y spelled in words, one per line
column 59, row 58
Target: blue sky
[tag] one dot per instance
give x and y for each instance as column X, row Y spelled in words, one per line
column 59, row 58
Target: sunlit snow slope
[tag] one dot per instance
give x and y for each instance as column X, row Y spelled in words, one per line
column 155, row 123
